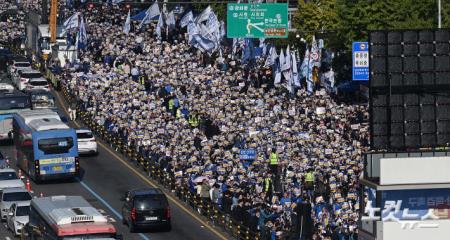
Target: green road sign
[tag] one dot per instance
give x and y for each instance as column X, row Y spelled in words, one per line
column 263, row 20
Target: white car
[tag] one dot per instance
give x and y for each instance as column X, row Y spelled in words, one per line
column 86, row 142
column 18, row 64
column 22, row 77
column 18, row 217
column 37, row 84
column 10, row 196
column 6, row 87
column 9, row 179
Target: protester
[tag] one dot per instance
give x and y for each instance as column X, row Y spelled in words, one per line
column 192, row 115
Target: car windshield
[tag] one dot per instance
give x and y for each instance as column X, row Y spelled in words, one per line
column 84, row 135
column 8, row 176
column 38, row 83
column 23, row 211
column 149, row 201
column 22, row 65
column 16, row 196
column 31, row 75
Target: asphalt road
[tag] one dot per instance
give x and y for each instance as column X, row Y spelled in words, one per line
column 105, row 179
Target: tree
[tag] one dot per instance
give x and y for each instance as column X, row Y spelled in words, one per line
column 351, row 20
column 314, row 16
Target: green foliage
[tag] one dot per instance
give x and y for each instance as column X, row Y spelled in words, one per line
column 350, row 20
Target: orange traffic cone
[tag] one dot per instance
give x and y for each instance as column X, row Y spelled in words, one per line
column 28, row 185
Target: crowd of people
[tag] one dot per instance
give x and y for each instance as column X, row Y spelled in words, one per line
column 12, row 23
column 191, row 114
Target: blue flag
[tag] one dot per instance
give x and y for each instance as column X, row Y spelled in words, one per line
column 249, row 52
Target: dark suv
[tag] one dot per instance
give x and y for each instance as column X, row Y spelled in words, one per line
column 146, row 208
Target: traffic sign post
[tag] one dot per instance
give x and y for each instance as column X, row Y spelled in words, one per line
column 360, row 61
column 264, row 20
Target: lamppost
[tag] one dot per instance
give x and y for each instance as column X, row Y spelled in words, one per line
column 439, row 14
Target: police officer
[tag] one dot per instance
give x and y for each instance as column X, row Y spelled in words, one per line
column 309, row 182
column 273, row 161
column 268, row 185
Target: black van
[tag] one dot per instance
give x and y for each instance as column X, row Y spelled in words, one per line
column 146, row 208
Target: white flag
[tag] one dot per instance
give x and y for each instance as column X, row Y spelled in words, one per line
column 151, row 12
column 295, row 75
column 71, row 22
column 287, row 61
column 281, row 60
column 115, row 2
column 171, row 20
column 203, row 15
column 159, row 26
column 127, row 26
column 186, row 19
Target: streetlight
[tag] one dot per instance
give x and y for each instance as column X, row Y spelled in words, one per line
column 439, row 14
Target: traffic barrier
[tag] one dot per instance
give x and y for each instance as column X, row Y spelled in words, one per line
column 210, row 211
column 28, row 185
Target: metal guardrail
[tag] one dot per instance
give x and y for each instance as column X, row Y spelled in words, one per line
column 207, row 209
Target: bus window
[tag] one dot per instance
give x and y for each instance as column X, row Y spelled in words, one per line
column 55, row 145
column 14, row 103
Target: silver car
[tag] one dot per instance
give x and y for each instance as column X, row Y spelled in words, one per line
column 9, row 179
column 18, row 217
column 11, row 196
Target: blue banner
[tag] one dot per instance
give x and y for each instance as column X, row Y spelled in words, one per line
column 247, row 154
column 360, row 61
column 417, row 201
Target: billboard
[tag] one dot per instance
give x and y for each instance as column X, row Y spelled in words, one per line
column 264, row 20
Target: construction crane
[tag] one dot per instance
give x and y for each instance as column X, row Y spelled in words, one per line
column 52, row 20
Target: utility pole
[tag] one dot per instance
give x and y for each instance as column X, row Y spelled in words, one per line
column 439, row 14
column 52, row 22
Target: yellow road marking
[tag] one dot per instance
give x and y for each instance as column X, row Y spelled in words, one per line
column 146, row 180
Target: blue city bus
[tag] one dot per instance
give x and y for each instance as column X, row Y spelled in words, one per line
column 44, row 147
column 10, row 103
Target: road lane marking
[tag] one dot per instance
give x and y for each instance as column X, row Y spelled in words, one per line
column 146, row 180
column 85, row 186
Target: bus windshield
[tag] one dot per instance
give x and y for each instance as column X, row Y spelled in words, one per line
column 55, row 145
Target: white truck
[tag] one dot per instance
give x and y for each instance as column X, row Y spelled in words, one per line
column 38, row 40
